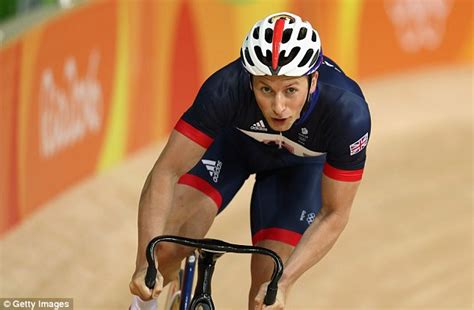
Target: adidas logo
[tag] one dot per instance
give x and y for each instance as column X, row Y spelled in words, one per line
column 214, row 168
column 260, row 126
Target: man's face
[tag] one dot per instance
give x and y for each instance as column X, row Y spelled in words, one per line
column 281, row 98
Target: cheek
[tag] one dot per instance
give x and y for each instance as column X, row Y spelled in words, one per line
column 263, row 103
column 298, row 103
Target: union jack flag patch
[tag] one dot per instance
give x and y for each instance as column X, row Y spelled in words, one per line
column 359, row 145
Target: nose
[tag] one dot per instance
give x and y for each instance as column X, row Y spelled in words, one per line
column 278, row 104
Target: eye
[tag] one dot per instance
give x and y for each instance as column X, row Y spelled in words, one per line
column 266, row 89
column 291, row 90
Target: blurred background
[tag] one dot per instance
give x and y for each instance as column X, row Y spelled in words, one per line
column 89, row 91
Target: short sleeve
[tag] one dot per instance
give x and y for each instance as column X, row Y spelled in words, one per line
column 351, row 134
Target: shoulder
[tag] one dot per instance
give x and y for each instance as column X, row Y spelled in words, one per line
column 220, row 100
column 228, row 86
column 342, row 96
column 331, row 74
column 231, row 76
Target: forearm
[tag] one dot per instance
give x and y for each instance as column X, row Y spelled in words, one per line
column 156, row 200
column 315, row 243
column 154, row 207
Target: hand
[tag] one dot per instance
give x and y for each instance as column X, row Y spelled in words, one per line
column 279, row 302
column 138, row 287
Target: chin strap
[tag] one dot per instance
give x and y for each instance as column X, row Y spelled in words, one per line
column 311, row 99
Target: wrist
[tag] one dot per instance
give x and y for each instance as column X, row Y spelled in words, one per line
column 141, row 263
column 286, row 281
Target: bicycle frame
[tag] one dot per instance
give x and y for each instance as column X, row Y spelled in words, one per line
column 187, row 281
column 209, row 251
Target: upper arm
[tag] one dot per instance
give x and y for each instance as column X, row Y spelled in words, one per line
column 179, row 155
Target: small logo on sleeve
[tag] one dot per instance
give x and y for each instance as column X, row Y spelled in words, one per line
column 359, row 145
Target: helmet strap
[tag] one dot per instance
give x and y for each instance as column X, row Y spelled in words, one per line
column 308, row 96
column 251, row 82
column 308, row 105
column 310, row 78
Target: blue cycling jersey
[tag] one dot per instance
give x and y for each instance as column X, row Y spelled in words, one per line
column 336, row 122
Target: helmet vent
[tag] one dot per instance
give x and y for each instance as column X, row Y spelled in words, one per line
column 287, row 17
column 302, row 33
column 268, row 35
column 282, row 60
column 306, row 58
column 255, row 33
column 286, row 35
column 248, row 58
column 266, row 60
column 313, row 38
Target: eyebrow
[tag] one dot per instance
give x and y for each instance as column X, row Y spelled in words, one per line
column 289, row 85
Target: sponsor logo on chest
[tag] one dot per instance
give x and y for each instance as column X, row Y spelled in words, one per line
column 303, row 135
column 259, row 126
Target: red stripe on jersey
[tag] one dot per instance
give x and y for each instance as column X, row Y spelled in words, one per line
column 277, row 36
column 194, row 134
column 278, row 234
column 342, row 175
column 202, row 186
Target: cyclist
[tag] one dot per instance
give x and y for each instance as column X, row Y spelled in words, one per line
column 284, row 112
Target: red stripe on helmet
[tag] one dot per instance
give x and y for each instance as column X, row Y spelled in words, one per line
column 277, row 36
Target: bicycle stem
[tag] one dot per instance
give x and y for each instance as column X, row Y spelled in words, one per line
column 206, row 265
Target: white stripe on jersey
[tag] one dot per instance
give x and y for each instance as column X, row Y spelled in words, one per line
column 291, row 146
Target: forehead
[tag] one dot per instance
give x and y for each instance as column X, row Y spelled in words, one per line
column 279, row 79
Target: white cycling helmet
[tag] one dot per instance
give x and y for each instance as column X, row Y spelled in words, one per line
column 281, row 44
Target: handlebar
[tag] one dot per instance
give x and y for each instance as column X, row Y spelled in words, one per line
column 216, row 246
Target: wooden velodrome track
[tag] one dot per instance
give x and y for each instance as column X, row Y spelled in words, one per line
column 408, row 244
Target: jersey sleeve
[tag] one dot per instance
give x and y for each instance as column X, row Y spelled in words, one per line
column 347, row 150
column 214, row 107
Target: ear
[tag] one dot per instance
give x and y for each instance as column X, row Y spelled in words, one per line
column 314, row 82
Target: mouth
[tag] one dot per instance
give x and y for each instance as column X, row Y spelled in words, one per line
column 279, row 121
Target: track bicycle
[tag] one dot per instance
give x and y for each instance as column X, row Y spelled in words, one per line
column 206, row 254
